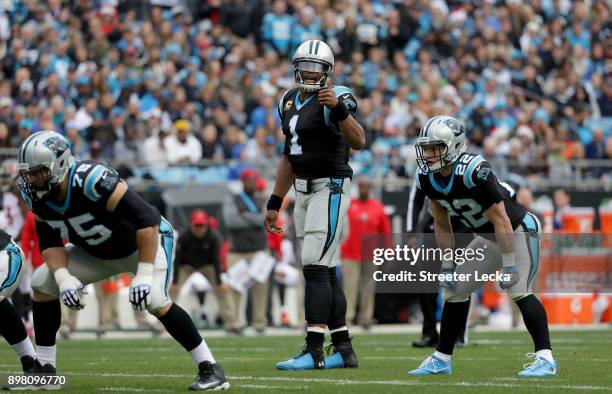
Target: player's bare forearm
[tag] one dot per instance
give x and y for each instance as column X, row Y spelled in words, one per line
column 55, row 258
column 442, row 226
column 496, row 213
column 147, row 239
column 284, row 177
column 353, row 132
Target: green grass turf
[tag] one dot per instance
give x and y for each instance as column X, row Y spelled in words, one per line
column 488, row 365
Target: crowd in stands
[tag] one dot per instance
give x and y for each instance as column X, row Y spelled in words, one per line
column 173, row 82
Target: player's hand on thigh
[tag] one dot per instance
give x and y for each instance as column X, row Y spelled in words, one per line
column 71, row 289
column 140, row 288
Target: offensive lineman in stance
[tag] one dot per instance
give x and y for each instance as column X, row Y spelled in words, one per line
column 319, row 126
column 464, row 186
column 111, row 230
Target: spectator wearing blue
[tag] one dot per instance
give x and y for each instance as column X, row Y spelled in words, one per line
column 276, row 29
column 307, row 28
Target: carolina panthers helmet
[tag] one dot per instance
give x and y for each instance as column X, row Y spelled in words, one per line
column 44, row 149
column 313, row 56
column 445, row 134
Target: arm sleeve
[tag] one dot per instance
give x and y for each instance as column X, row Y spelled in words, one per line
column 137, row 211
column 487, row 187
column 48, row 236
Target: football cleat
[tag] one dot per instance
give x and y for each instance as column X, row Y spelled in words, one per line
column 306, row 360
column 433, row 366
column 540, row 367
column 210, row 377
column 426, row 341
column 343, row 356
column 30, row 364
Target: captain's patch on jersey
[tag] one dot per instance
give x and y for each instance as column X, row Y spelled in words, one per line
column 288, row 105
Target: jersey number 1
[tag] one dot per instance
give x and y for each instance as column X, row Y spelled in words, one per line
column 296, row 148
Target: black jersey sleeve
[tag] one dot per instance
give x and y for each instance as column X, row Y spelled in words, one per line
column 487, row 187
column 416, row 201
column 49, row 237
column 346, row 96
column 100, row 182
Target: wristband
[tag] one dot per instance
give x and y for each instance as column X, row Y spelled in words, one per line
column 508, row 259
column 145, row 271
column 339, row 112
column 61, row 275
column 274, row 203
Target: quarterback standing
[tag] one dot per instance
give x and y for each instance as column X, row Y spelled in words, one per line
column 110, row 230
column 463, row 186
column 319, row 126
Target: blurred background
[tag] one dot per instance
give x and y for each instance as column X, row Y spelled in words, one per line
column 180, row 96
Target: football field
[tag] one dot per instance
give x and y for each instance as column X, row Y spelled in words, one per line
column 488, row 364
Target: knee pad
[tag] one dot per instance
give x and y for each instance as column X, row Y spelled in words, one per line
column 451, row 296
column 40, row 277
column 312, row 248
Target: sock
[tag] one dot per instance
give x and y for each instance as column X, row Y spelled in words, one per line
column 180, row 326
column 339, row 335
column 315, row 336
column 546, row 354
column 47, row 320
column 24, row 348
column 454, row 317
column 536, row 321
column 12, row 328
column 46, row 354
column 317, row 294
column 337, row 313
column 202, row 353
column 442, row 356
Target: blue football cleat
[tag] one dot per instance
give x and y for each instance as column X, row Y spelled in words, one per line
column 302, row 362
column 343, row 356
column 541, row 367
column 433, row 366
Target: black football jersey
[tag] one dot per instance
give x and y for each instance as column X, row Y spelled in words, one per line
column 470, row 190
column 313, row 141
column 5, row 238
column 82, row 219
